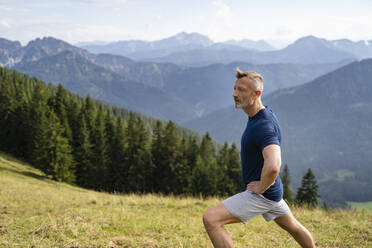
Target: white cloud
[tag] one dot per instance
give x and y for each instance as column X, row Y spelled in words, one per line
column 102, row 32
column 219, row 23
column 149, row 20
column 99, row 2
column 223, row 10
column 5, row 8
column 4, row 24
column 282, row 31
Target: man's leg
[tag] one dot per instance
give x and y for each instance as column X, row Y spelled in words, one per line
column 214, row 219
column 298, row 231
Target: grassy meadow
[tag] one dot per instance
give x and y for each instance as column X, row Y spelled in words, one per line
column 38, row 212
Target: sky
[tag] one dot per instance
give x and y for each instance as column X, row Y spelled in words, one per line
column 277, row 21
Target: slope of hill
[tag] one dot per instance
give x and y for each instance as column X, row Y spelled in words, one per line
column 38, row 212
column 210, row 87
column 326, row 126
column 260, row 45
column 81, row 76
column 205, row 88
column 152, row 74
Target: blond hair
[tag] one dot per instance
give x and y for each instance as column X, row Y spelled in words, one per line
column 254, row 77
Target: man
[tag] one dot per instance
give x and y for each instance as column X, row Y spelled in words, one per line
column 261, row 161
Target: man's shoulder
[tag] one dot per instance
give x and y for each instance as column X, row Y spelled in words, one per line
column 269, row 117
column 266, row 121
column 268, row 113
column 267, row 125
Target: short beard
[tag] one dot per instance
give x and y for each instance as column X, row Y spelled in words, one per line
column 244, row 106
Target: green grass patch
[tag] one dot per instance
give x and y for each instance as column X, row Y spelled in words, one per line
column 345, row 174
column 361, row 205
column 38, row 212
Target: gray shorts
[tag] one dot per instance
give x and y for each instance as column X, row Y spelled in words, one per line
column 247, row 205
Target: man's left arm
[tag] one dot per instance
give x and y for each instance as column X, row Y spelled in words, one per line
column 270, row 171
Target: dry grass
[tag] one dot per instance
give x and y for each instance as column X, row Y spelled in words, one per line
column 38, row 212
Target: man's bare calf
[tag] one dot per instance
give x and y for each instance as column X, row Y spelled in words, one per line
column 298, row 231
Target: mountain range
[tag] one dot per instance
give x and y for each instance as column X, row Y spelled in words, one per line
column 306, row 50
column 198, row 50
column 181, row 42
column 162, row 90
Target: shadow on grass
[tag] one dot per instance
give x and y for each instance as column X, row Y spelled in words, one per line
column 28, row 174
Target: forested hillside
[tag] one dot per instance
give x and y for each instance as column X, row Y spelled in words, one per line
column 81, row 141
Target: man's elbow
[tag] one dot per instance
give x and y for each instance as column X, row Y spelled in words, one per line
column 275, row 168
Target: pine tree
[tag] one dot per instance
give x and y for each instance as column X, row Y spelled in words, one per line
column 157, row 155
column 89, row 112
column 17, row 120
column 200, row 180
column 6, row 111
column 181, row 169
column 171, row 161
column 84, row 155
column 113, row 149
column 75, row 120
column 191, row 154
column 234, row 173
column 308, row 192
column 59, row 104
column 207, row 148
column 230, row 180
column 223, row 180
column 117, row 169
column 38, row 124
column 84, row 145
column 53, row 154
column 208, row 155
column 99, row 162
column 286, row 180
column 138, row 158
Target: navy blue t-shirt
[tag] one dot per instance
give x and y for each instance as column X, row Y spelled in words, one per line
column 262, row 130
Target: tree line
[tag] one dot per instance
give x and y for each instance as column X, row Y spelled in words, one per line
column 97, row 146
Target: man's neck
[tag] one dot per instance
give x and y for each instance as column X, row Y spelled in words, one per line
column 253, row 110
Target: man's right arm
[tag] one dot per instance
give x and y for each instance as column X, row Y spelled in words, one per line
column 270, row 170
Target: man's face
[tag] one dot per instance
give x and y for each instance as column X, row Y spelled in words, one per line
column 244, row 95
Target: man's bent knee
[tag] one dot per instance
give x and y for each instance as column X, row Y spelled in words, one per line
column 218, row 216
column 209, row 219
